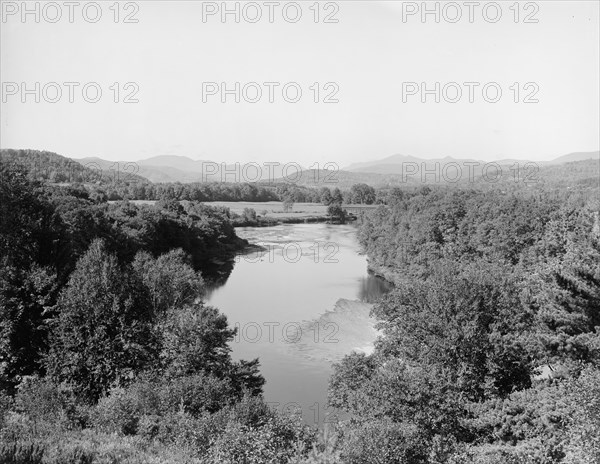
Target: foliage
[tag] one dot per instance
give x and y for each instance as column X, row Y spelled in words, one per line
column 46, row 229
column 255, row 434
column 169, row 279
column 490, row 339
column 583, row 433
column 103, row 332
column 493, row 317
column 288, row 204
column 361, row 193
column 336, row 212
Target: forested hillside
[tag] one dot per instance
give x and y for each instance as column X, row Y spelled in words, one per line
column 490, row 347
column 120, row 181
column 53, row 168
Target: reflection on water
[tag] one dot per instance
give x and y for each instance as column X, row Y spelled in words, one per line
column 372, row 288
column 216, row 272
column 300, row 303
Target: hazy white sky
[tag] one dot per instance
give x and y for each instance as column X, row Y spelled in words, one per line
column 369, row 53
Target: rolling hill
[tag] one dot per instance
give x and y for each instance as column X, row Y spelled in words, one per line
column 54, row 168
column 185, row 170
column 388, row 172
column 399, row 164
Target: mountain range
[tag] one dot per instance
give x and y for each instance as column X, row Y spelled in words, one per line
column 168, row 168
column 397, row 164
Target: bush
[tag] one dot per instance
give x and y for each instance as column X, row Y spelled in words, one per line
column 249, row 215
column 184, row 431
column 527, row 452
column 583, row 446
column 6, row 403
column 256, row 434
column 336, row 212
column 266, row 444
column 119, row 412
column 21, row 453
column 196, row 394
column 45, row 402
column 382, row 442
column 145, row 405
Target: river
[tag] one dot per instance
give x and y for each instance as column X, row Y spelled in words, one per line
column 300, row 304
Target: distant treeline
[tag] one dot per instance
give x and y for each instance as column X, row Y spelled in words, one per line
column 122, row 183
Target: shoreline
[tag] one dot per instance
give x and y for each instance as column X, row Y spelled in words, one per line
column 384, row 272
column 270, row 222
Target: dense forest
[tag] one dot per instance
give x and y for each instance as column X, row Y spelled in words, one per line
column 490, row 350
column 490, row 346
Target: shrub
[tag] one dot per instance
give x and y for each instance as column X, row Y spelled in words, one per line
column 382, row 442
column 5, row 406
column 196, row 394
column 583, row 446
column 255, row 434
column 43, row 401
column 526, row 452
column 143, row 406
column 119, row 412
column 21, row 453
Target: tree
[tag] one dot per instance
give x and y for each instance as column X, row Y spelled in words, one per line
column 25, row 297
column 336, row 196
column 170, row 280
column 27, row 225
column 469, row 321
column 325, row 196
column 583, row 435
column 564, row 291
column 29, row 260
column 288, row 203
column 363, row 194
column 337, row 213
column 103, row 332
column 456, row 338
column 249, row 215
column 169, row 203
column 195, row 339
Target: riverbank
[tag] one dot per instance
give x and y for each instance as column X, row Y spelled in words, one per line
column 270, row 222
column 384, row 272
column 270, row 213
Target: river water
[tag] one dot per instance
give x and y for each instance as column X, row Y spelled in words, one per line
column 300, row 304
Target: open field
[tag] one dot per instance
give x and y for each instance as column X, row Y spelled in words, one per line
column 274, row 209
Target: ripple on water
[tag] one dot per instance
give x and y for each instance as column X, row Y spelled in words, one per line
column 336, row 333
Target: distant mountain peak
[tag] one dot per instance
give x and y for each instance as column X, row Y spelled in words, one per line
column 393, row 164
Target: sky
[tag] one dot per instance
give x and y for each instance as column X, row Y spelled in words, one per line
column 369, row 60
